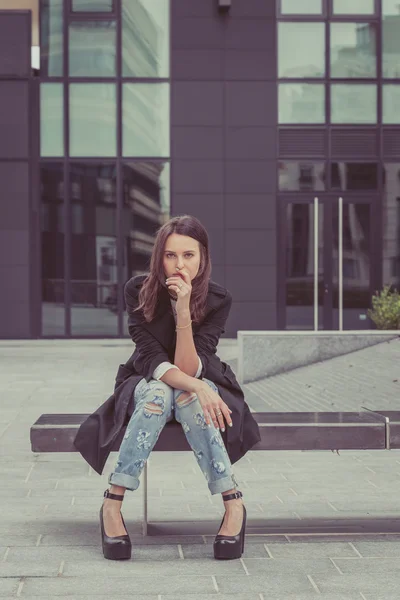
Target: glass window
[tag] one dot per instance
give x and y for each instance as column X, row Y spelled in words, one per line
column 391, row 104
column 308, row 41
column 301, row 7
column 93, row 119
column 354, row 176
column 353, row 7
column 146, row 206
column 51, row 119
column 352, row 103
column 301, row 103
column 92, row 5
column 390, row 39
column 93, row 256
column 145, row 119
column 92, row 49
column 145, row 38
column 353, row 50
column 51, row 45
column 52, row 249
column 391, row 225
column 301, row 175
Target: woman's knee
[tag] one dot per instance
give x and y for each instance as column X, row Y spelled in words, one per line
column 157, row 398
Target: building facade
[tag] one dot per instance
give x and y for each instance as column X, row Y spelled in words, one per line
column 276, row 122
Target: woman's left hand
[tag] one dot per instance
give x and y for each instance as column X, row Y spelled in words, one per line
column 182, row 286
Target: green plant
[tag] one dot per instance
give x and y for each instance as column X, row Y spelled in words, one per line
column 385, row 312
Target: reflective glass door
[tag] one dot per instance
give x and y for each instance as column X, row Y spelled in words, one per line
column 327, row 251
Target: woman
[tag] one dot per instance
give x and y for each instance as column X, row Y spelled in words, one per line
column 176, row 317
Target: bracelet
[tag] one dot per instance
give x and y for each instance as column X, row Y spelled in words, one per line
column 184, row 326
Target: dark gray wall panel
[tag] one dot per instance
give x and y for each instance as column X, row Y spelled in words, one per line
column 252, row 8
column 198, row 33
column 15, row 46
column 217, row 244
column 250, row 247
column 251, row 65
column 197, row 142
column 197, row 64
column 250, row 34
column 197, row 177
column 14, row 119
column 197, row 103
column 14, row 301
column 250, row 211
column 250, row 142
column 252, row 177
column 217, row 273
column 209, row 208
column 251, row 315
column 15, row 323
column 14, row 248
column 250, row 103
column 251, row 283
column 194, row 8
column 14, row 185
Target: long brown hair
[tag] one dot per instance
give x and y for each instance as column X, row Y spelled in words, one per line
column 155, row 281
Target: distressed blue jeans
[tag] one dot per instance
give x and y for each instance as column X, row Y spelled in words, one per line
column 154, row 403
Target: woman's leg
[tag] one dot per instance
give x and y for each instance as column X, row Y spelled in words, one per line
column 206, row 442
column 212, row 457
column 153, row 408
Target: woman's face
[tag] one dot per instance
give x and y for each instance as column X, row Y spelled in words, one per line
column 181, row 251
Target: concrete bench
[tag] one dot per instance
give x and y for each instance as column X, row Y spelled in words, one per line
column 366, row 430
column 266, row 353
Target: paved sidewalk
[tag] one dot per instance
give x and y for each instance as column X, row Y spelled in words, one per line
column 49, row 503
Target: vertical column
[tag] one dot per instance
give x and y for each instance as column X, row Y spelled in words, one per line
column 15, row 199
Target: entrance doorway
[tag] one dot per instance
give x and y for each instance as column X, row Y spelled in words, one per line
column 328, row 261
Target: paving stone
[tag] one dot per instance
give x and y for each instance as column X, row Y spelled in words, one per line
column 378, row 549
column 318, row 550
column 273, row 583
column 261, row 566
column 34, row 569
column 177, row 568
column 8, row 587
column 121, row 585
column 369, row 565
column 364, row 582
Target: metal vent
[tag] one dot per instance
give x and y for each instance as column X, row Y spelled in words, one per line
column 391, row 143
column 354, row 143
column 302, row 142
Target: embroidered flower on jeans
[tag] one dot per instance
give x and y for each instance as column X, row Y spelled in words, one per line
column 217, row 440
column 139, row 463
column 200, row 420
column 219, row 467
column 185, row 426
column 199, row 454
column 142, row 438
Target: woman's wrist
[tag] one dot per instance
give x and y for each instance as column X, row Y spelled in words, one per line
column 183, row 317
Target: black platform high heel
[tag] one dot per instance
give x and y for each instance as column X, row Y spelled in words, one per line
column 227, row 547
column 119, row 547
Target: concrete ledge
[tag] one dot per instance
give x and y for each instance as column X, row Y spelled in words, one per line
column 266, row 353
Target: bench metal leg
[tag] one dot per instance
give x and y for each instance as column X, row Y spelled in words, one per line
column 145, row 499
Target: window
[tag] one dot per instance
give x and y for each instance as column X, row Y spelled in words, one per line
column 301, row 103
column 301, row 7
column 353, row 103
column 308, row 41
column 353, row 50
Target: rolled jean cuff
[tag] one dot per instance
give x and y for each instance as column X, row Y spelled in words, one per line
column 123, row 480
column 222, row 485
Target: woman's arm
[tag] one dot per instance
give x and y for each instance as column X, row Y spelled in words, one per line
column 186, row 358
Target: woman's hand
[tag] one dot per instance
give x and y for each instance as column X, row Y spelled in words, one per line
column 182, row 287
column 214, row 408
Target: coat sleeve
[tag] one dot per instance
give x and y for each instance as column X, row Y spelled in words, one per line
column 207, row 336
column 152, row 353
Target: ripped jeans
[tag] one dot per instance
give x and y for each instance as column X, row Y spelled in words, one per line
column 154, row 403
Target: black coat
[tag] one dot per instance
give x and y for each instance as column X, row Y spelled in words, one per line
column 155, row 343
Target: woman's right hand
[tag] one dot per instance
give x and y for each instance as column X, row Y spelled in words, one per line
column 212, row 404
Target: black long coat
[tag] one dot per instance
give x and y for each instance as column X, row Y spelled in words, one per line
column 155, row 343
